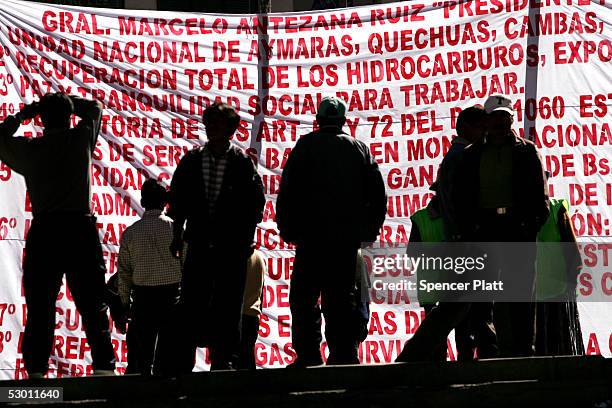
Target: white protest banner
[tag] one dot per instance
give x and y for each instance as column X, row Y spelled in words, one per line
column 405, row 69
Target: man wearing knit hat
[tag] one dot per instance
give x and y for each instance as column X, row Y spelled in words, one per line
column 331, row 199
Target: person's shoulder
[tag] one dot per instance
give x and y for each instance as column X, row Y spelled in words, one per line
column 191, row 155
column 165, row 219
column 525, row 145
column 473, row 149
column 418, row 213
column 258, row 257
column 195, row 151
column 257, row 262
column 79, row 132
column 309, row 136
column 474, row 146
column 129, row 231
column 308, row 139
column 353, row 142
column 363, row 148
column 528, row 143
column 236, row 154
column 454, row 155
column 237, row 151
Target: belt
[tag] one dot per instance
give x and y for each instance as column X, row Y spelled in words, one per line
column 497, row 211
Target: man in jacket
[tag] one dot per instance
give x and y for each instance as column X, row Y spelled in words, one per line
column 217, row 192
column 504, row 199
column 56, row 168
column 331, row 199
column 473, row 322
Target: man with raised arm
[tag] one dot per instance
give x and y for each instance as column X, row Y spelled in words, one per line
column 56, row 168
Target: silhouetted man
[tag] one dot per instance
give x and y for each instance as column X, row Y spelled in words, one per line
column 504, row 199
column 149, row 282
column 331, row 199
column 56, row 168
column 473, row 322
column 217, row 191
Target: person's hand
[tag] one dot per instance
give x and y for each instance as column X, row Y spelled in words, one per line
column 29, row 111
column 176, row 248
column 13, row 123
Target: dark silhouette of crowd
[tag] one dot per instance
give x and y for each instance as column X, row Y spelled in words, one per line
column 190, row 276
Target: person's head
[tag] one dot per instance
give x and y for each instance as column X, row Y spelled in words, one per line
column 55, row 110
column 331, row 113
column 500, row 115
column 221, row 121
column 153, row 196
column 471, row 123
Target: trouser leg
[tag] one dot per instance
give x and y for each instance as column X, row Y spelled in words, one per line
column 191, row 312
column 345, row 316
column 439, row 354
column 250, row 330
column 433, row 331
column 85, row 278
column 305, row 310
column 145, row 316
column 153, row 309
column 168, row 307
column 485, row 336
column 464, row 339
column 228, row 274
column 515, row 321
column 42, row 279
column 515, row 252
column 133, row 346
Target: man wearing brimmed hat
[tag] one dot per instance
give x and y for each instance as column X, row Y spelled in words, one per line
column 331, row 199
column 504, row 199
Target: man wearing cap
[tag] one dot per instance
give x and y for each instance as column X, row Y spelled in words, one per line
column 331, row 200
column 504, row 199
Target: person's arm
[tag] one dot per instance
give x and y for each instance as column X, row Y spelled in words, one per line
column 254, row 284
column 447, row 192
column 376, row 198
column 256, row 191
column 125, row 271
column 90, row 112
column 286, row 201
column 571, row 252
column 464, row 193
column 16, row 152
column 179, row 187
column 541, row 203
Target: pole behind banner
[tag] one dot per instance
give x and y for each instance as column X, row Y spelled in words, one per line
column 531, row 75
